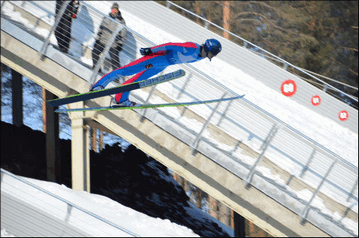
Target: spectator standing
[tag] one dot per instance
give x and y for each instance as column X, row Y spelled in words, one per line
column 107, row 27
column 63, row 29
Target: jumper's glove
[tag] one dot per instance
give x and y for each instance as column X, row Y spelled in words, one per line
column 75, row 8
column 145, row 51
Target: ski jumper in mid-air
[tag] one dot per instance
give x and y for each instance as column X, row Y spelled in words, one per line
column 155, row 60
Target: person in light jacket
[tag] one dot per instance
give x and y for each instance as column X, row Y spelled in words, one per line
column 107, row 27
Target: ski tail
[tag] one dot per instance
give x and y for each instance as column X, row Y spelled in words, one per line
column 144, row 106
column 118, row 89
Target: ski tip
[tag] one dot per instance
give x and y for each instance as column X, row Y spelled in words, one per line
column 61, row 111
column 239, row 96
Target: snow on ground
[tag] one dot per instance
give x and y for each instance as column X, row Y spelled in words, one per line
column 128, row 219
column 4, row 233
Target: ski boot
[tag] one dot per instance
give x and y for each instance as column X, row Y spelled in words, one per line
column 96, row 88
column 126, row 103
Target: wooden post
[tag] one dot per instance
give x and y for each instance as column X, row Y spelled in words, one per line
column 93, row 135
column 198, row 11
column 17, row 108
column 51, row 128
column 226, row 17
column 199, row 198
column 214, row 207
column 44, row 110
column 101, row 140
column 224, row 214
column 1, row 69
column 184, row 184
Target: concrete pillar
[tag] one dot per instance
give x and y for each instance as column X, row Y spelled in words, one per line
column 51, row 128
column 80, row 153
column 17, row 108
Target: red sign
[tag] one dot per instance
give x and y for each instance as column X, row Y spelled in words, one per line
column 343, row 115
column 288, row 88
column 316, row 100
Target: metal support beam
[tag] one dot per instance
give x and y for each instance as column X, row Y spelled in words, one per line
column 224, row 113
column 17, row 108
column 308, row 162
column 206, row 25
column 285, row 66
column 80, row 152
column 146, row 102
column 269, row 137
column 148, row 99
column 195, row 143
column 306, row 209
column 352, row 191
column 264, row 147
column 53, row 158
column 184, row 85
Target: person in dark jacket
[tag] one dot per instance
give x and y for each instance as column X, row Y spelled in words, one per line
column 63, row 29
column 107, row 27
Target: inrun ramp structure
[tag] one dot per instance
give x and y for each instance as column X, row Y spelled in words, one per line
column 211, row 155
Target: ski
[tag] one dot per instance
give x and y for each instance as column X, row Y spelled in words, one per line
column 148, row 105
column 118, row 89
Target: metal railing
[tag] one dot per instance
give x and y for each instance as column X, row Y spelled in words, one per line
column 273, row 138
column 265, row 53
column 51, row 207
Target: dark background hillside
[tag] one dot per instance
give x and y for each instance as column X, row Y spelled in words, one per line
column 129, row 177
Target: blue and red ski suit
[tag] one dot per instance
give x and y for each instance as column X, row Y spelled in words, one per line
column 162, row 56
